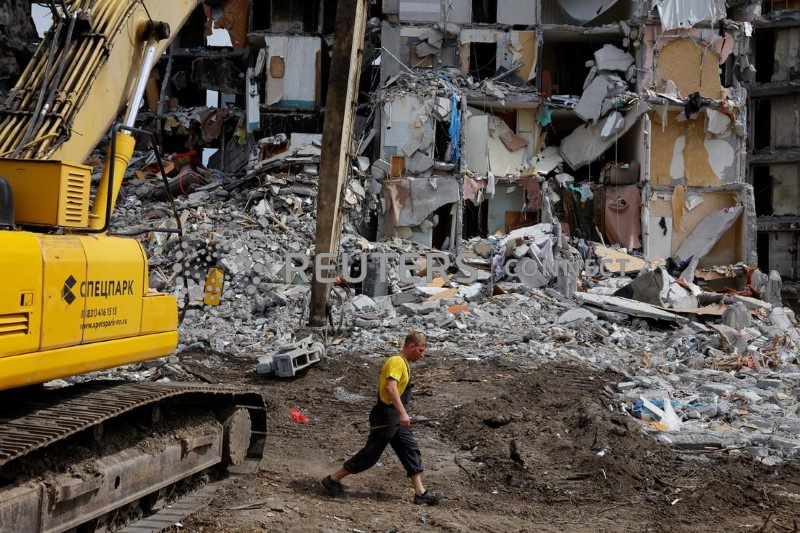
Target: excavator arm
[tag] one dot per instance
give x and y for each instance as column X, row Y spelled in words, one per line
column 76, row 300
column 85, row 71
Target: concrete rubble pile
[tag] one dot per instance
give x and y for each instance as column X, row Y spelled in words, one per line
column 726, row 364
column 645, row 153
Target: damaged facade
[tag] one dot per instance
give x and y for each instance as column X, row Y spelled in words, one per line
column 641, row 125
column 624, row 121
column 773, row 84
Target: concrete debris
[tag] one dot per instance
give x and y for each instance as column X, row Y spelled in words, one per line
column 585, row 143
column 708, row 233
column 611, row 58
column 704, row 347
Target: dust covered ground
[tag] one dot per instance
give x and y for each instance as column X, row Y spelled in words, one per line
column 512, row 449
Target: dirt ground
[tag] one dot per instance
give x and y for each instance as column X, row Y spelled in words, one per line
column 512, row 449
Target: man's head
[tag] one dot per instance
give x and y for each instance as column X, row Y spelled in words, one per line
column 414, row 346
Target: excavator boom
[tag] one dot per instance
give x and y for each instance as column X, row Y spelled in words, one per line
column 82, row 75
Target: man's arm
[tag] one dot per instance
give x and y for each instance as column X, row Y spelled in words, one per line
column 394, row 395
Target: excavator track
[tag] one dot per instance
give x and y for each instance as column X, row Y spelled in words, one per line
column 196, row 429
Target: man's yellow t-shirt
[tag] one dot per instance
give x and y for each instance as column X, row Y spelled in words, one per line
column 397, row 368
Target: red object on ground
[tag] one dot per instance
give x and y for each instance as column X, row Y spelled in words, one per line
column 297, row 416
column 191, row 158
column 751, row 364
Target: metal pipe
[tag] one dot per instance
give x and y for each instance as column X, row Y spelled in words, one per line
column 141, row 82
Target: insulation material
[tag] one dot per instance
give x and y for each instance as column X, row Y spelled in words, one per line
column 692, row 67
column 623, row 216
column 514, row 12
column 684, row 150
column 518, row 50
column 295, row 82
column 656, row 40
column 678, row 206
column 686, row 13
column 728, row 250
column 234, row 17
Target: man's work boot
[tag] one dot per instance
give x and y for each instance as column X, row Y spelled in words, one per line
column 428, row 497
column 334, row 488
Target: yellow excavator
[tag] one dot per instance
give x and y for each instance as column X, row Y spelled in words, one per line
column 74, row 299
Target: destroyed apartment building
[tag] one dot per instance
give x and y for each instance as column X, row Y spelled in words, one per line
column 641, row 125
column 625, row 120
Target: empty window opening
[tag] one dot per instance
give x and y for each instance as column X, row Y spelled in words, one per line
column 762, row 124
column 444, row 226
column 329, row 15
column 294, row 17
column 482, row 60
column 764, row 55
column 441, row 148
column 476, row 220
column 762, row 190
column 262, row 14
column 192, row 34
column 762, row 249
column 484, row 11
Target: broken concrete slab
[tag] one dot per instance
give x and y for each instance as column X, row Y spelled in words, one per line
column 363, row 303
column 736, row 316
column 609, row 57
column 416, row 309
column 574, row 315
column 547, row 160
column 630, row 307
column 597, row 95
column 730, row 338
column 708, row 233
column 588, row 107
column 751, row 303
column 782, row 326
column 612, row 125
column 657, row 287
column 585, row 143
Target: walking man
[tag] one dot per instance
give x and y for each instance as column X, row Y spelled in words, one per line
column 390, row 418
